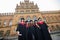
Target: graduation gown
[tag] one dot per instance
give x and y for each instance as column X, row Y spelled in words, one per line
column 38, row 33
column 34, row 33
column 44, row 29
column 22, row 29
column 30, row 33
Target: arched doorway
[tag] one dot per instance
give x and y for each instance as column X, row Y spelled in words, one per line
column 28, row 18
column 35, row 17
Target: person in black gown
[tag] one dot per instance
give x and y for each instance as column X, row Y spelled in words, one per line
column 30, row 31
column 38, row 31
column 44, row 29
column 21, row 30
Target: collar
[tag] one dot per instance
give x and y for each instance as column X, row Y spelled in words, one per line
column 40, row 22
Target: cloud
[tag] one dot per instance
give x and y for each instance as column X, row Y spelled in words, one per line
column 44, row 5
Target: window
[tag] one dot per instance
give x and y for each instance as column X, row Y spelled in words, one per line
column 27, row 6
column 48, row 19
column 56, row 17
column 28, row 18
column 26, row 0
column 32, row 10
column 52, row 28
column 44, row 18
column 58, row 27
column 59, row 15
column 21, row 11
column 52, row 18
column 10, row 23
column 15, row 29
column 1, row 33
column 0, row 23
column 7, row 33
column 59, row 18
column 28, row 11
column 5, row 23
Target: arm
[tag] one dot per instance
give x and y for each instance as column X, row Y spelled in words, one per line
column 18, row 31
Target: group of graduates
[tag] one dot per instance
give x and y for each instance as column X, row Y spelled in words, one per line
column 33, row 30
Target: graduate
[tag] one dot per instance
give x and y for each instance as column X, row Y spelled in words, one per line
column 31, row 31
column 28, row 35
column 44, row 29
column 38, row 32
column 21, row 30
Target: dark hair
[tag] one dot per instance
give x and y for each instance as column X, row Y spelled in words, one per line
column 35, row 20
column 26, row 21
column 31, row 20
column 22, row 19
column 39, row 18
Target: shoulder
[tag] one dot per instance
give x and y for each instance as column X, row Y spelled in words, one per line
column 41, row 22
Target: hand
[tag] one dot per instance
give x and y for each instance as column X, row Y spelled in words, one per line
column 20, row 34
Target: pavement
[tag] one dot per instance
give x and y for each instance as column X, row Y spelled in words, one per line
column 55, row 36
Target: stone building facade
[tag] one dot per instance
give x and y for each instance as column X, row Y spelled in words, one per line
column 27, row 10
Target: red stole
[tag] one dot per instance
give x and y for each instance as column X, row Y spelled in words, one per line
column 40, row 22
column 22, row 23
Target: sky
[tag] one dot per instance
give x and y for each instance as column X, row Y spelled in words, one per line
column 8, row 6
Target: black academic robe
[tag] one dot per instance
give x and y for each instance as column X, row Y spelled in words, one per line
column 31, row 33
column 44, row 29
column 38, row 33
column 22, row 29
column 34, row 33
